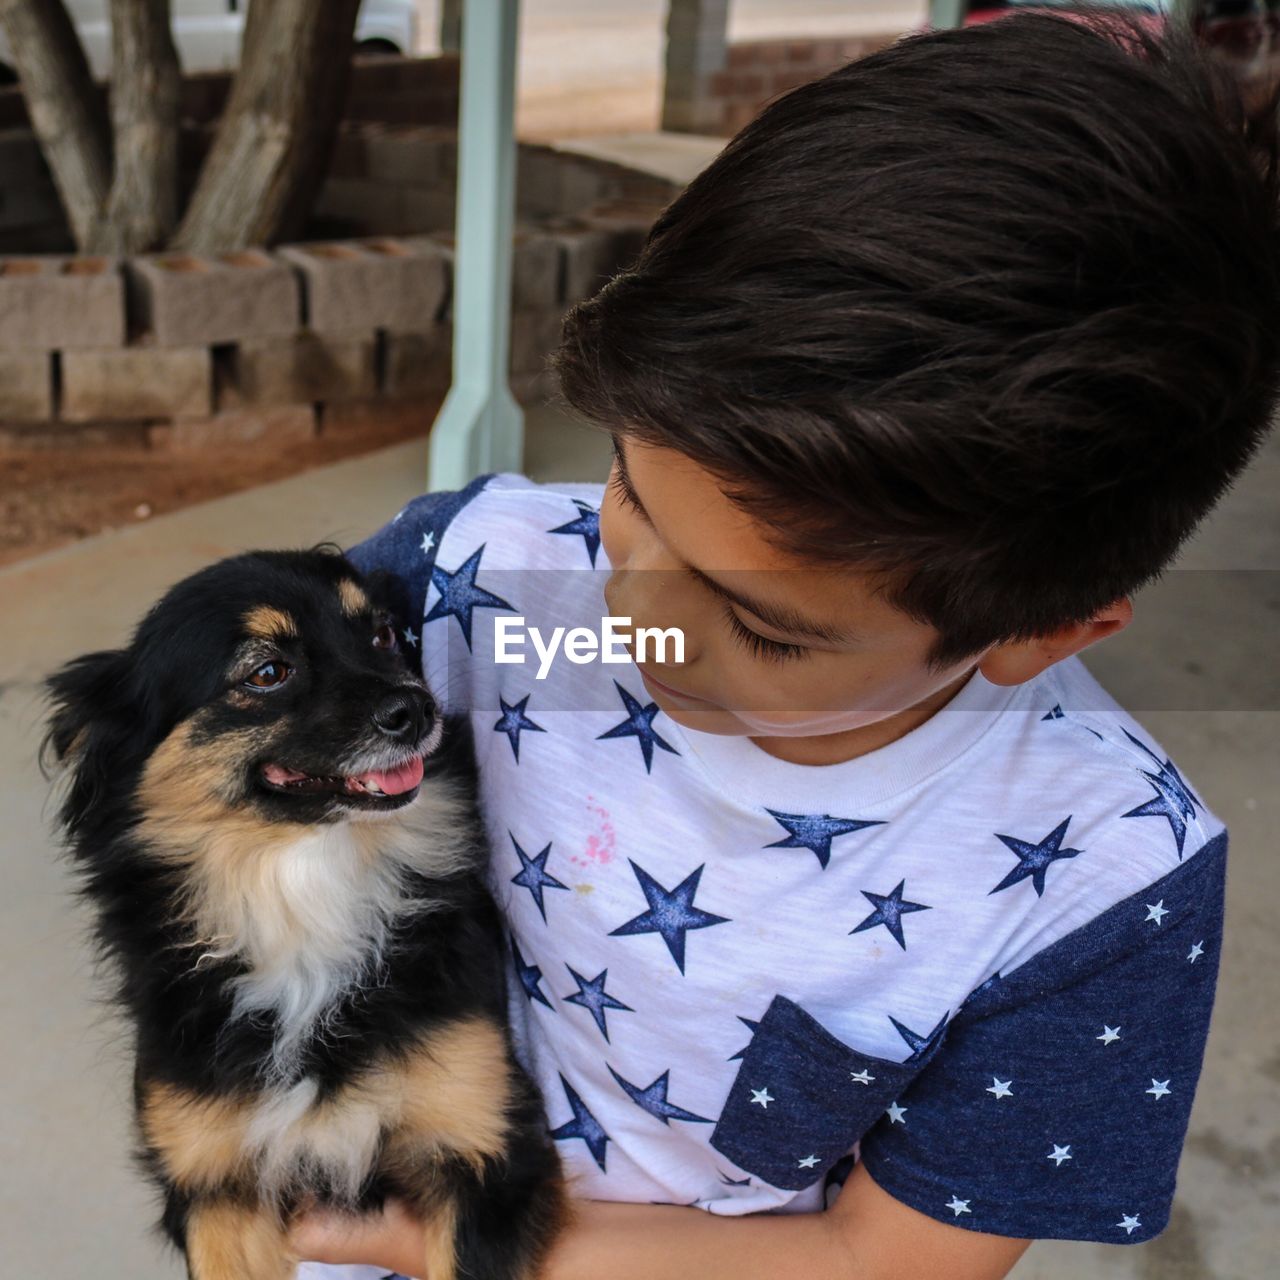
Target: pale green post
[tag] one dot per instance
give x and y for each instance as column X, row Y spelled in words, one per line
column 480, row 427
column 944, row 14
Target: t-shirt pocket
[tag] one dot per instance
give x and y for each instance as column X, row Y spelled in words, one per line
column 802, row 1098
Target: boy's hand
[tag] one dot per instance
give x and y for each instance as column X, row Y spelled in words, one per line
column 393, row 1239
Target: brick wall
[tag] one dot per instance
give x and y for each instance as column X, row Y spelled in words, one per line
column 181, row 350
column 757, row 71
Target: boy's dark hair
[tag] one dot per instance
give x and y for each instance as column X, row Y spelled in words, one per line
column 996, row 310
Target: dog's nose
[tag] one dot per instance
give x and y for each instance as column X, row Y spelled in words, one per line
column 404, row 716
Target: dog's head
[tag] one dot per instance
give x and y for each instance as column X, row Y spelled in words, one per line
column 270, row 685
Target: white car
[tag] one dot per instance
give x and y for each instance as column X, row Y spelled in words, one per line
column 207, row 32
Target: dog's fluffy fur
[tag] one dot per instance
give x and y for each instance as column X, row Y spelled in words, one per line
column 304, row 947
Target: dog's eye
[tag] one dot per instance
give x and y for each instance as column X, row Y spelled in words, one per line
column 271, row 675
column 385, row 637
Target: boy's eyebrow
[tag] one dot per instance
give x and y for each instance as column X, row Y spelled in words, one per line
column 780, row 617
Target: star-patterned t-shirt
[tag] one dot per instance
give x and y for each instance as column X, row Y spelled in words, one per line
column 980, row 959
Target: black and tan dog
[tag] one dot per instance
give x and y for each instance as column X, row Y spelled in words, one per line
column 305, row 949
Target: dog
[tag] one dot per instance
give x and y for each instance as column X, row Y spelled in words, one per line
column 279, row 837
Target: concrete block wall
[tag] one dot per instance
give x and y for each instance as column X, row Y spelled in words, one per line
column 184, row 351
column 720, row 98
column 387, row 180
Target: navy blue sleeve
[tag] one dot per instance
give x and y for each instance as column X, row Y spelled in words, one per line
column 1058, row 1103
column 402, row 554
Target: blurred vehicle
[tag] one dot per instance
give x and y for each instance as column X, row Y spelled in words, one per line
column 1245, row 34
column 1154, row 13
column 207, row 32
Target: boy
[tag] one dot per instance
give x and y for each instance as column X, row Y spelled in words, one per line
column 941, row 360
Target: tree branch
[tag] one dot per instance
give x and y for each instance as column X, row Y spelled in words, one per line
column 275, row 136
column 146, row 87
column 64, row 107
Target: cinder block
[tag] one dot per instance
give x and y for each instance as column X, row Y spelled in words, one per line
column 599, row 244
column 59, row 303
column 409, row 156
column 21, row 158
column 350, row 158
column 301, row 369
column 365, row 207
column 26, row 386
column 188, row 299
column 538, row 172
column 535, row 272
column 428, row 208
column 370, row 284
column 534, row 336
column 279, row 425
column 417, row 365
column 132, row 383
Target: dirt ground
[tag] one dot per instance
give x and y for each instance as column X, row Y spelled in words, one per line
column 50, row 496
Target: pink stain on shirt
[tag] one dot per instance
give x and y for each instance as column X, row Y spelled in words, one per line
column 602, row 844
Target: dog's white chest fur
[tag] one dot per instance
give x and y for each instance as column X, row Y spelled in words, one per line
column 310, row 917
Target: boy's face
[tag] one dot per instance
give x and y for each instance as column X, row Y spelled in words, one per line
column 774, row 648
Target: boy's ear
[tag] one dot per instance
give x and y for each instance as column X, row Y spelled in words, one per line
column 1021, row 660
column 88, row 724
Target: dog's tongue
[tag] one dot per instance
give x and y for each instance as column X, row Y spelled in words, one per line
column 395, row 782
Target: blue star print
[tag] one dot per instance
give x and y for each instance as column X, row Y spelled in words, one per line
column 533, row 875
column 583, row 1125
column 751, row 1026
column 671, row 913
column 920, row 1045
column 592, row 996
column 587, row 525
column 1173, row 799
column 889, row 912
column 459, row 594
column 653, row 1099
column 814, row 831
column 530, row 976
column 1034, row 859
column 1056, row 713
column 514, row 722
column 639, row 724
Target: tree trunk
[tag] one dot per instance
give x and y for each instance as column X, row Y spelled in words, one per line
column 64, row 107
column 274, row 140
column 146, row 90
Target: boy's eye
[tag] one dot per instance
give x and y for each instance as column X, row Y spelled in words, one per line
column 271, row 675
column 622, row 489
column 385, row 637
column 760, row 646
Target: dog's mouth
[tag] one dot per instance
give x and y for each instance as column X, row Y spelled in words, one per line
column 379, row 786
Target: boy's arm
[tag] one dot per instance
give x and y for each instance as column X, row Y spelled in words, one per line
column 866, row 1235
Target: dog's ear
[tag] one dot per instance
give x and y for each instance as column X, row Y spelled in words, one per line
column 388, row 591
column 88, row 725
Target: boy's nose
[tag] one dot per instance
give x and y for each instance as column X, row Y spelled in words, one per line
column 404, row 716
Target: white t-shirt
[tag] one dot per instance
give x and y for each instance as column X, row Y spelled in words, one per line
column 986, row 950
